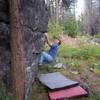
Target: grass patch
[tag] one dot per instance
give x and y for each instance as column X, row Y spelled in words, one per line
column 98, row 35
column 75, row 64
column 79, row 52
column 97, row 71
column 47, row 68
column 77, row 58
column 95, row 95
column 95, row 64
column 39, row 92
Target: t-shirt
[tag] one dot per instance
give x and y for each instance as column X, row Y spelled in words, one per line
column 53, row 50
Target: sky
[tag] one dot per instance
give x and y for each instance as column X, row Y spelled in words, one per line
column 79, row 7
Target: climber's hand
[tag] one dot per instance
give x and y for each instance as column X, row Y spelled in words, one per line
column 46, row 34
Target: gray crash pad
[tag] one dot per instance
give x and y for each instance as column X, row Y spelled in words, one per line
column 56, row 80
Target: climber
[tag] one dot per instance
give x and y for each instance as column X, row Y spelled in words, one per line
column 49, row 57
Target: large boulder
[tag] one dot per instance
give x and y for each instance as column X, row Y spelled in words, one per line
column 34, row 15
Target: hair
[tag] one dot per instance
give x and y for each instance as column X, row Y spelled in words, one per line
column 59, row 43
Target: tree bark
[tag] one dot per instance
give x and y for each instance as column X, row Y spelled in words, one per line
column 17, row 52
column 99, row 7
column 57, row 11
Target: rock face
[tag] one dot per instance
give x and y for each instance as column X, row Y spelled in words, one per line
column 34, row 15
column 4, row 40
column 34, row 20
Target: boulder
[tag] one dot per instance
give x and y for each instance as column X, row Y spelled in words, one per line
column 34, row 16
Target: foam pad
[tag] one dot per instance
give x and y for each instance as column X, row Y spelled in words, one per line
column 56, row 80
column 67, row 93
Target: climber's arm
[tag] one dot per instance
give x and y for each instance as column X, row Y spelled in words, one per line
column 48, row 40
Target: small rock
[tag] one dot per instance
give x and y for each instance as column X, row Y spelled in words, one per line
column 58, row 65
column 91, row 69
column 75, row 72
column 87, row 88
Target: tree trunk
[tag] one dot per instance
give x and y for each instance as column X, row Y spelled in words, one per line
column 99, row 7
column 17, row 52
column 48, row 3
column 57, row 11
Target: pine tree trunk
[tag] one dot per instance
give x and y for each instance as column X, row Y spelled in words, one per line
column 17, row 52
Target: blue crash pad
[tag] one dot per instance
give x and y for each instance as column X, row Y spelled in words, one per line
column 56, row 80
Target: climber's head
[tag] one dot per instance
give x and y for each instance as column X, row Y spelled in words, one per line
column 58, row 41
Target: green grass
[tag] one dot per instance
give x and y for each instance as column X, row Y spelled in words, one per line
column 98, row 35
column 47, row 68
column 75, row 64
column 79, row 52
column 77, row 57
column 95, row 95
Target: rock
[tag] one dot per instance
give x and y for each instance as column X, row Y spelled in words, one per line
column 34, row 21
column 0, row 98
column 97, row 40
column 75, row 72
column 58, row 65
column 34, row 15
column 91, row 69
column 86, row 87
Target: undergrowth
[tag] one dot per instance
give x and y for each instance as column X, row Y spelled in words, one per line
column 79, row 52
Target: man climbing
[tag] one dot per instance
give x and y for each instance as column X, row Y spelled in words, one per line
column 49, row 57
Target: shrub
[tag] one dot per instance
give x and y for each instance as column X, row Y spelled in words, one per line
column 71, row 27
column 96, row 65
column 97, row 71
column 54, row 29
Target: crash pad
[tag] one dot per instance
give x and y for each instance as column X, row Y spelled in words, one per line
column 56, row 80
column 67, row 93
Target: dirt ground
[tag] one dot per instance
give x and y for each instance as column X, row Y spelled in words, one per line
column 70, row 41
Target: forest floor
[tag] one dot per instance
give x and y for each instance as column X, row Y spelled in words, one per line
column 80, row 59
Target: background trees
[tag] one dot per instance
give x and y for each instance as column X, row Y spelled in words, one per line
column 92, row 19
column 63, row 10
